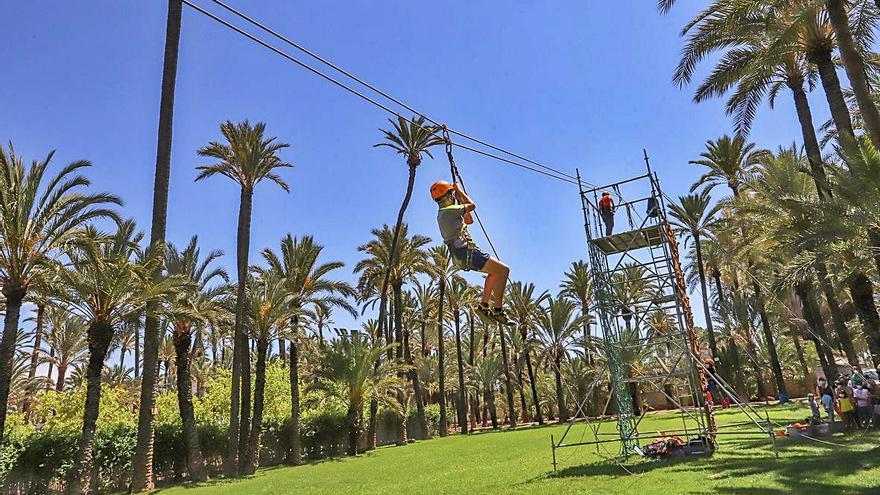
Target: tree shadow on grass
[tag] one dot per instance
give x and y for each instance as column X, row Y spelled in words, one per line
column 802, row 467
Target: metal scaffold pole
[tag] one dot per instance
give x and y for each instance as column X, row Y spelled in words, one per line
column 642, row 310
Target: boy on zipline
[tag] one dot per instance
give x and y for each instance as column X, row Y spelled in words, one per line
column 453, row 217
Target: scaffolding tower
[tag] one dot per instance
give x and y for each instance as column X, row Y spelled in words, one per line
column 643, row 314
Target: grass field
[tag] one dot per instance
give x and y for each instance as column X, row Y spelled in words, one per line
column 519, row 462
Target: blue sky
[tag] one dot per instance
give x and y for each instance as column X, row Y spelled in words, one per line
column 569, row 83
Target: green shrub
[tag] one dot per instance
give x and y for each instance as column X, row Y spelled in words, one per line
column 324, row 433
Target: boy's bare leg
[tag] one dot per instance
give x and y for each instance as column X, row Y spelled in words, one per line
column 487, row 287
column 498, row 273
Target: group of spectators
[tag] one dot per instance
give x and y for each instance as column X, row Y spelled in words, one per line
column 854, row 399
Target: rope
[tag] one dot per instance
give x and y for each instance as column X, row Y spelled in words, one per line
column 456, row 178
column 548, row 171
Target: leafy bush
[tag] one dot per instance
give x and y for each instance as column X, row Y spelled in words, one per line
column 324, row 433
column 37, row 456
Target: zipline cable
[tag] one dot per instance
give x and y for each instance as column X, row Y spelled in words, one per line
column 383, row 93
column 562, row 177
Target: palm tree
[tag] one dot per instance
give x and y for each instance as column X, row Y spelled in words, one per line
column 730, row 161
column 762, row 56
column 425, row 296
column 247, row 158
column 442, row 271
column 409, row 259
column 412, row 139
column 195, row 303
column 323, row 319
column 733, row 162
column 631, row 288
column 39, row 217
column 41, row 298
column 268, row 309
column 349, row 372
column 67, row 339
column 484, row 375
column 847, row 234
column 117, row 375
column 755, row 65
column 526, row 310
column 558, row 324
column 854, row 63
column 104, row 286
column 578, row 286
column 307, row 283
column 458, row 294
column 695, row 217
column 24, row 387
column 142, row 463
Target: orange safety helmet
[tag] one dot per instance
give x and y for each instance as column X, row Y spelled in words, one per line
column 440, row 188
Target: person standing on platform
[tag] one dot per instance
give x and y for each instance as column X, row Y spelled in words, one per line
column 606, row 211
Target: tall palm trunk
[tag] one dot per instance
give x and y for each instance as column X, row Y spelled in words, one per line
column 733, row 370
column 137, row 351
column 100, row 334
column 802, row 361
column 855, row 68
column 489, row 399
column 808, row 132
column 863, row 299
column 441, row 359
column 195, row 461
column 752, row 354
column 398, row 336
column 508, row 384
column 142, row 463
column 586, row 324
column 560, row 394
column 531, row 372
column 817, row 170
column 713, row 347
column 282, row 352
column 239, row 423
column 461, row 406
column 424, row 433
column 834, row 96
column 874, row 243
column 383, row 294
column 804, row 291
column 521, row 389
column 424, row 338
column 295, row 454
column 353, row 418
column 837, row 319
column 14, row 297
column 38, row 341
column 253, row 453
column 62, row 375
column 476, row 415
column 771, row 343
column 49, row 370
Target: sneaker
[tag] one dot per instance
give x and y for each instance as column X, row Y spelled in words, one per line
column 500, row 316
column 485, row 313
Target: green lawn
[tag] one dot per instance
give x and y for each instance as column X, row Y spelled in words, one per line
column 519, row 462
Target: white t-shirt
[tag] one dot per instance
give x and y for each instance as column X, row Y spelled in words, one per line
column 863, row 397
